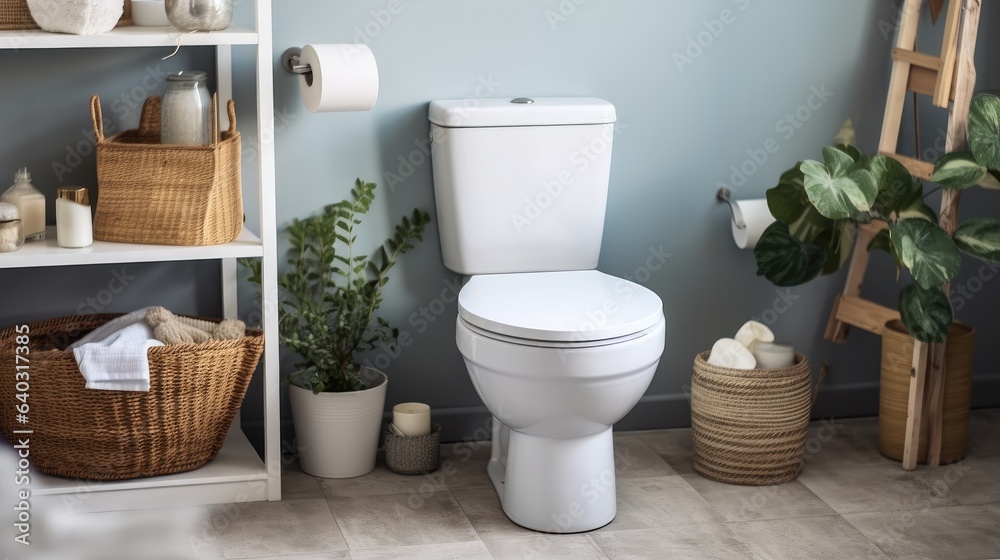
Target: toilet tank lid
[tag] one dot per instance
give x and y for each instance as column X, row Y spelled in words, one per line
column 542, row 111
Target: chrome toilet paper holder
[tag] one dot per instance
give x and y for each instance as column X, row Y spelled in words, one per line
column 291, row 61
column 723, row 195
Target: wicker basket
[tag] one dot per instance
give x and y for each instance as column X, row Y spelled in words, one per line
column 749, row 426
column 167, row 194
column 412, row 454
column 15, row 15
column 894, row 393
column 179, row 425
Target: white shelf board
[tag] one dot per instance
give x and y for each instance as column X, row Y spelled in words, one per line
column 235, row 471
column 49, row 253
column 125, row 36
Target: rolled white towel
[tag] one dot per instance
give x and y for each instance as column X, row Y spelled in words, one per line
column 752, row 332
column 727, row 352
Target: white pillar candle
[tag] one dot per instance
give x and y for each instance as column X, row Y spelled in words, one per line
column 774, row 356
column 413, row 419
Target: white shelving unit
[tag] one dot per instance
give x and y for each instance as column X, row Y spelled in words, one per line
column 238, row 474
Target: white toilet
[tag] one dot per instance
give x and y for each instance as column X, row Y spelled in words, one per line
column 558, row 351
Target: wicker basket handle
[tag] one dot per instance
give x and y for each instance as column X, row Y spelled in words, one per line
column 149, row 120
column 97, row 118
column 231, row 111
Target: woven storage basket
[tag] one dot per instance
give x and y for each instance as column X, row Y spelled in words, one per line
column 894, row 393
column 15, row 15
column 163, row 193
column 412, row 454
column 749, row 426
column 179, row 425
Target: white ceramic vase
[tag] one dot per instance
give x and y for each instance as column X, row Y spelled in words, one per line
column 337, row 433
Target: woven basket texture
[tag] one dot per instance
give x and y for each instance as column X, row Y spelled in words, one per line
column 412, row 454
column 749, row 426
column 15, row 15
column 894, row 393
column 179, row 425
column 167, row 194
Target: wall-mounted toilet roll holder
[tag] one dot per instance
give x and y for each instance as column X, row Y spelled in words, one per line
column 291, row 61
column 724, row 195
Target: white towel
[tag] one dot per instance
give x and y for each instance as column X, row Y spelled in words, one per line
column 113, row 356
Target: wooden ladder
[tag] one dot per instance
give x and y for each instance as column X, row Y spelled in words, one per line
column 949, row 77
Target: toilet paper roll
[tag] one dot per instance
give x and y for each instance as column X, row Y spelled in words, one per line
column 343, row 78
column 756, row 218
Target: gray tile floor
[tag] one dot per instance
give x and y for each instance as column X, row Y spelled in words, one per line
column 849, row 503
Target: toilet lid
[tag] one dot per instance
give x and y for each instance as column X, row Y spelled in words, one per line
column 583, row 305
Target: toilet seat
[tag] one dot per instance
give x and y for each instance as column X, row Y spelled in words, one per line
column 577, row 308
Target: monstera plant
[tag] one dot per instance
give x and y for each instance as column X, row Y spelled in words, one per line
column 818, row 206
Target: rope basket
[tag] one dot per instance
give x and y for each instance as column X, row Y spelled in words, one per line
column 179, row 425
column 165, row 193
column 412, row 454
column 749, row 426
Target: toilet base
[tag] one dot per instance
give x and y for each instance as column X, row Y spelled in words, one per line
column 556, row 485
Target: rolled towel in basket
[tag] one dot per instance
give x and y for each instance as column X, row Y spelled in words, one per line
column 113, row 356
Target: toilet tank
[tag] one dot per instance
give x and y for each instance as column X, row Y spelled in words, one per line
column 521, row 184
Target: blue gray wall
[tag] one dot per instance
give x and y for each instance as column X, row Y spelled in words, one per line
column 700, row 89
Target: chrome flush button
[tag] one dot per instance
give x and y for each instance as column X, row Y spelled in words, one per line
column 525, row 100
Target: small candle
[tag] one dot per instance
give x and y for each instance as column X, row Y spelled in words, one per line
column 413, row 419
column 773, row 356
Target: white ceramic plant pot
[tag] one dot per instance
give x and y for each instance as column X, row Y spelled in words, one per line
column 79, row 17
column 337, row 433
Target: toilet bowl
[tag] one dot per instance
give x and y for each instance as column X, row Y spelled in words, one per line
column 557, row 351
column 558, row 358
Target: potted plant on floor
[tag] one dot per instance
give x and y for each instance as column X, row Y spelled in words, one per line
column 818, row 206
column 329, row 296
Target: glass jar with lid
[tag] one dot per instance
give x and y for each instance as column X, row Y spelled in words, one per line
column 186, row 111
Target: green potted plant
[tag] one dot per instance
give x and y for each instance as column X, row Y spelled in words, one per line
column 818, row 206
column 329, row 295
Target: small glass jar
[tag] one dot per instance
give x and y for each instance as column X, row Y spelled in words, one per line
column 11, row 232
column 186, row 111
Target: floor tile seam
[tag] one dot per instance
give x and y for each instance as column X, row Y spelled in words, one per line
column 864, row 536
column 924, row 507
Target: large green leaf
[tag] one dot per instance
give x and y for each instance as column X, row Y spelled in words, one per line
column 926, row 250
column 984, row 129
column 840, row 189
column 980, row 238
column 784, row 260
column 958, row 170
column 789, row 204
column 895, row 185
column 927, row 314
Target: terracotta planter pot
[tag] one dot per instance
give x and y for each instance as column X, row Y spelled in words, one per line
column 894, row 391
column 337, row 433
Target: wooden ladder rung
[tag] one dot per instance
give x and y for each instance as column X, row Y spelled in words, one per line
column 863, row 314
column 924, row 82
column 920, row 59
column 917, row 168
